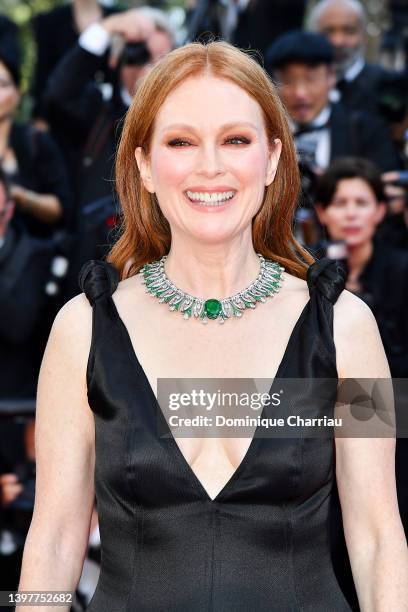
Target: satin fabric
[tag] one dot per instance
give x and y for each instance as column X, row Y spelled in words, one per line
column 263, row 543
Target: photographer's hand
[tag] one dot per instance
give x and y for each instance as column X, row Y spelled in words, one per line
column 131, row 27
column 44, row 206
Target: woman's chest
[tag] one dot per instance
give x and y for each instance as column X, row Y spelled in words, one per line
column 193, row 350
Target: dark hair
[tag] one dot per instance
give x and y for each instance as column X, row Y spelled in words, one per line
column 348, row 168
column 10, row 49
column 298, row 46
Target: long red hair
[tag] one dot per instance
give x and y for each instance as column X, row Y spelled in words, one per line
column 144, row 233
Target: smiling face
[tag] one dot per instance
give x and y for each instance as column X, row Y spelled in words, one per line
column 354, row 212
column 210, row 160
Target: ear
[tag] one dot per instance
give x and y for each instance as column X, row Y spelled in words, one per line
column 144, row 169
column 321, row 213
column 273, row 161
column 381, row 211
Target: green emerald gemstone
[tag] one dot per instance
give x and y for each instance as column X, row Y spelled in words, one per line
column 212, row 308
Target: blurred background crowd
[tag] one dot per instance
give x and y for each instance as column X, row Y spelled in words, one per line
column 68, row 72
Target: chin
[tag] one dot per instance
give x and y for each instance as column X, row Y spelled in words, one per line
column 304, row 118
column 355, row 242
column 210, row 234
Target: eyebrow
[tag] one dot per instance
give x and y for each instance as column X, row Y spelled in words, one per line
column 225, row 127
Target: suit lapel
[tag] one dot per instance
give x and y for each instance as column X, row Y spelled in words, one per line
column 339, row 132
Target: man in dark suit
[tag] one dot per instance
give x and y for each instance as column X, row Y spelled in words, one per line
column 87, row 116
column 360, row 84
column 260, row 22
column 251, row 24
column 85, row 113
column 55, row 32
column 302, row 66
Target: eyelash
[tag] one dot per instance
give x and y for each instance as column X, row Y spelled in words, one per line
column 176, row 142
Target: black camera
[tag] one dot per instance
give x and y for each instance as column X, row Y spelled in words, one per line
column 393, row 100
column 308, row 176
column 135, row 54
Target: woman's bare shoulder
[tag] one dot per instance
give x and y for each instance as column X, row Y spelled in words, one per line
column 359, row 349
column 76, row 313
column 72, row 327
column 350, row 311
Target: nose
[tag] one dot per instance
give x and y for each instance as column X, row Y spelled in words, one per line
column 300, row 91
column 210, row 161
column 338, row 40
column 351, row 210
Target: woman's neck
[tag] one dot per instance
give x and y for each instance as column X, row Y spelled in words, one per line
column 358, row 257
column 212, row 271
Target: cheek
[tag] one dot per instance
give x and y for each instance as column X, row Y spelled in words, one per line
column 353, row 40
column 335, row 217
column 8, row 99
column 288, row 98
column 321, row 93
column 252, row 168
column 170, row 169
column 245, row 168
column 369, row 217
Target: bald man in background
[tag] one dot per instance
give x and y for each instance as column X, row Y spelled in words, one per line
column 360, row 85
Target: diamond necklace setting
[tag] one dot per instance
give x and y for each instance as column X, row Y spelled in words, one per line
column 267, row 283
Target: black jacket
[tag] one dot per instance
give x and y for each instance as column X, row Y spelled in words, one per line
column 361, row 134
column 384, row 283
column 264, row 20
column 365, row 91
column 88, row 125
column 25, row 318
column 55, row 34
column 41, row 168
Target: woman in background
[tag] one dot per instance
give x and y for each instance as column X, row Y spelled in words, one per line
column 351, row 206
column 30, row 158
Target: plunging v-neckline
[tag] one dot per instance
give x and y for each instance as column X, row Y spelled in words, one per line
column 179, row 456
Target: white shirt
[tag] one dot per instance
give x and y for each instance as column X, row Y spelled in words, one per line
column 350, row 74
column 354, row 70
column 319, row 139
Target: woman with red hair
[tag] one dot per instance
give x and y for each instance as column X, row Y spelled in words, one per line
column 208, row 181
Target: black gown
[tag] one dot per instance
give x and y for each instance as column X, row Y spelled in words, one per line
column 263, row 542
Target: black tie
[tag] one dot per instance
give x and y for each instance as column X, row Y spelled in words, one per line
column 307, row 128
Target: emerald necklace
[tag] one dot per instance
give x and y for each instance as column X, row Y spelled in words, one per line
column 157, row 283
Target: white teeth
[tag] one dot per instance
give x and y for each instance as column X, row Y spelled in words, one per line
column 214, row 199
